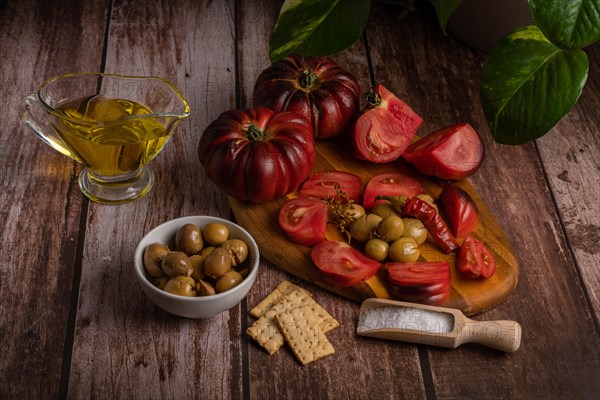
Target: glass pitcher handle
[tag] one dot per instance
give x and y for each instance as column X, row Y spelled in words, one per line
column 41, row 128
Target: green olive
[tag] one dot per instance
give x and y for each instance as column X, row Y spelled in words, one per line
column 217, row 263
column 354, row 211
column 206, row 252
column 215, row 233
column 197, row 267
column 230, row 280
column 181, row 285
column 245, row 272
column 384, row 209
column 377, row 249
column 363, row 228
column 204, row 288
column 177, row 263
column 153, row 256
column 237, row 249
column 189, row 239
column 404, row 250
column 161, row 282
column 428, row 199
column 415, row 229
column 390, row 228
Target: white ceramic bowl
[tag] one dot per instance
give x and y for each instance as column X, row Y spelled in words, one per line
column 202, row 306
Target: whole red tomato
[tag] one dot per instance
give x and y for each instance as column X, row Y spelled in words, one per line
column 315, row 87
column 257, row 155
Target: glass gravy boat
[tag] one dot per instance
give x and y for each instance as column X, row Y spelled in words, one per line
column 112, row 124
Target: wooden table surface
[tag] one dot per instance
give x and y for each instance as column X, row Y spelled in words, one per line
column 75, row 324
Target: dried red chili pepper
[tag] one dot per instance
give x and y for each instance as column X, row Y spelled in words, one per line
column 433, row 221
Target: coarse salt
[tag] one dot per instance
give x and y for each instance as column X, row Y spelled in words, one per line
column 405, row 318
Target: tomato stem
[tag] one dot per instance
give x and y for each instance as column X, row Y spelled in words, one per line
column 373, row 98
column 307, row 78
column 254, row 132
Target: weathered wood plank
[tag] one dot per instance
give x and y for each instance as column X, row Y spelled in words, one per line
column 124, row 346
column 40, row 202
column 571, row 157
column 361, row 367
column 439, row 78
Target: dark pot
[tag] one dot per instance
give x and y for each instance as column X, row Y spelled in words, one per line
column 482, row 23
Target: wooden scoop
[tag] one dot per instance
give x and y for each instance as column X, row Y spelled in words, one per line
column 437, row 326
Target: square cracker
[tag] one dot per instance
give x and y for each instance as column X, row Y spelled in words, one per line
column 284, row 288
column 301, row 329
column 265, row 331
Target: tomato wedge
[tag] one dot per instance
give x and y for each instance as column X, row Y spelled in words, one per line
column 328, row 184
column 342, row 264
column 475, row 259
column 385, row 127
column 420, row 282
column 459, row 209
column 304, row 220
column 390, row 184
column 453, row 152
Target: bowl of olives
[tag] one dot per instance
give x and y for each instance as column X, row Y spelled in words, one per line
column 196, row 266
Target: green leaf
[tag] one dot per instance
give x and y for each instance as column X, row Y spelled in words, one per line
column 444, row 10
column 569, row 24
column 317, row 27
column 528, row 85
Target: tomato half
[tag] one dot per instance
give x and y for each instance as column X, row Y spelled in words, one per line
column 459, row 209
column 342, row 264
column 257, row 155
column 328, row 184
column 304, row 220
column 453, row 152
column 420, row 282
column 475, row 259
column 390, row 184
column 385, row 127
column 315, row 87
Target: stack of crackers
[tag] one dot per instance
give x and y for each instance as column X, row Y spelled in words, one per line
column 290, row 314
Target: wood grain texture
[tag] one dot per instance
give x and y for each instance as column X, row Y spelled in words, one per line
column 442, row 85
column 125, row 347
column 115, row 344
column 469, row 296
column 39, row 202
column 570, row 155
column 360, row 365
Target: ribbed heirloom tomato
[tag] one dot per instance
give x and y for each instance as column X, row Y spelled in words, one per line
column 257, row 155
column 315, row 87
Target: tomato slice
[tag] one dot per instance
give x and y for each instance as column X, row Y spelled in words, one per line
column 328, row 184
column 459, row 209
column 342, row 264
column 390, row 184
column 475, row 259
column 420, row 282
column 453, row 152
column 385, row 128
column 304, row 220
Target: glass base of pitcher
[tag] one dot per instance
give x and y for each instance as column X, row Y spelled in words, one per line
column 116, row 190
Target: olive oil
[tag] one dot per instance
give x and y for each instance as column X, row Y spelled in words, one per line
column 110, row 136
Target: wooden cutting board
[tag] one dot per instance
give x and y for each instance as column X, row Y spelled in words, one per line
column 469, row 296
